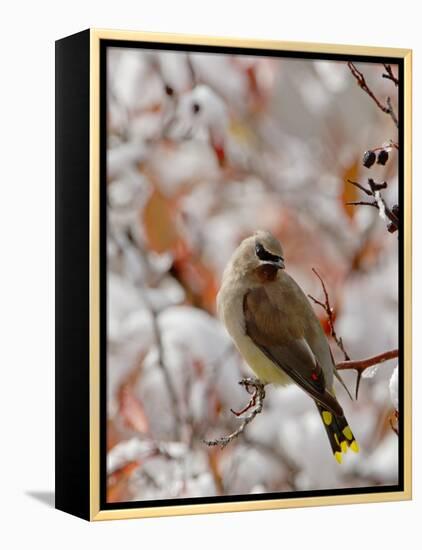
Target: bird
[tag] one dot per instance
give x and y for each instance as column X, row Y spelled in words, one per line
column 277, row 332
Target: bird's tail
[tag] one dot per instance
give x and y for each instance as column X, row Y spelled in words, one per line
column 339, row 433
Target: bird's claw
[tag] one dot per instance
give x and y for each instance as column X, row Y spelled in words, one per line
column 252, row 386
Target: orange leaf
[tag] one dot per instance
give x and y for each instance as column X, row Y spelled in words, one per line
column 118, row 482
column 198, row 281
column 113, row 434
column 213, row 460
column 159, row 222
column 349, row 192
column 131, row 410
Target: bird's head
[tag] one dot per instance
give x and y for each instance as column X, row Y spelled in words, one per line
column 259, row 256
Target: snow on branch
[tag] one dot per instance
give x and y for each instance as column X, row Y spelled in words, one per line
column 386, row 213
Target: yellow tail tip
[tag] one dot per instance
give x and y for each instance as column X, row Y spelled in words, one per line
column 344, row 446
column 327, row 417
column 348, row 433
column 354, row 446
column 338, row 456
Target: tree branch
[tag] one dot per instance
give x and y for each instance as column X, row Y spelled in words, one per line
column 166, row 374
column 256, row 403
column 390, row 75
column 360, row 79
column 363, row 364
column 330, row 317
column 389, row 144
column 373, row 190
column 362, row 203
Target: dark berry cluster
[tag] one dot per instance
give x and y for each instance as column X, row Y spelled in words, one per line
column 370, row 157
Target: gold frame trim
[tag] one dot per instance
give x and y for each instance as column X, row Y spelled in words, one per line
column 95, row 512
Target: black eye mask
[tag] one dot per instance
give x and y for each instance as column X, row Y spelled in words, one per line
column 266, row 256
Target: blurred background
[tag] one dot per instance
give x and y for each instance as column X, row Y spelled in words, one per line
column 202, row 151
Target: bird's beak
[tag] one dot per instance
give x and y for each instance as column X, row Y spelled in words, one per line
column 279, row 263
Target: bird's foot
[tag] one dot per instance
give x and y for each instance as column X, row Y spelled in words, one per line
column 255, row 388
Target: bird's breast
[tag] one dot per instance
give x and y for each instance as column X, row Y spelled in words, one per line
column 266, row 273
column 230, row 308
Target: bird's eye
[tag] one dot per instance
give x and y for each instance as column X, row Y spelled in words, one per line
column 259, row 249
column 266, row 256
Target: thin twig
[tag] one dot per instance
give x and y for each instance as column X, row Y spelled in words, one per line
column 373, row 190
column 165, row 371
column 361, row 187
column 256, row 403
column 391, row 143
column 362, row 203
column 360, row 79
column 390, row 75
column 329, row 311
column 363, row 364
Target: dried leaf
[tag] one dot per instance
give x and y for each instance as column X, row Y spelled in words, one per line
column 214, row 455
column 196, row 278
column 158, row 218
column 131, row 410
column 114, row 435
column 349, row 192
column 198, row 281
column 118, row 482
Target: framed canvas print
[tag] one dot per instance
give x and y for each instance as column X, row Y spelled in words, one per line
column 233, row 274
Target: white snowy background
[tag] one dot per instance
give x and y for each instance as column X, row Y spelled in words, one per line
column 202, row 151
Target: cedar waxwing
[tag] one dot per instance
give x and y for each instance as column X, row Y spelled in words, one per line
column 277, row 332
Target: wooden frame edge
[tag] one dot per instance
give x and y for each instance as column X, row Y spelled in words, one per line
column 250, row 506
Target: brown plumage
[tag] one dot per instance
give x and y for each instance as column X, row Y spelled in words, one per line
column 276, row 330
column 288, row 345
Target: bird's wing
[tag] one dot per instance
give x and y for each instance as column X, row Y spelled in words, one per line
column 280, row 336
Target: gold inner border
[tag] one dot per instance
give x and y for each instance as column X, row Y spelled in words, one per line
column 95, row 512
